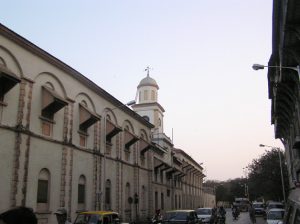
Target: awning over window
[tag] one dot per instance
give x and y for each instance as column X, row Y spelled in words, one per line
column 51, row 102
column 177, row 161
column 157, row 148
column 129, row 139
column 173, row 170
column 7, row 80
column 187, row 166
column 144, row 146
column 111, row 130
column 86, row 117
column 160, row 165
column 179, row 175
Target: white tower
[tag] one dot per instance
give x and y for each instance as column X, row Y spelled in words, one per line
column 147, row 105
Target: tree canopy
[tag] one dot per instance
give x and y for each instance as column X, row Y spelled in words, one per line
column 262, row 182
column 264, row 176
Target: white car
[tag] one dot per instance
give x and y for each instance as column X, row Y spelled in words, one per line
column 275, row 216
column 206, row 215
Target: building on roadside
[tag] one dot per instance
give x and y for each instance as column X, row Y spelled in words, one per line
column 66, row 142
column 283, row 85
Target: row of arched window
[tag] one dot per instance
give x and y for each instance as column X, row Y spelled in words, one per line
column 43, row 191
column 44, row 184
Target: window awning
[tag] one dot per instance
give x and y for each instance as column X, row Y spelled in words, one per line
column 7, row 80
column 144, row 145
column 86, row 117
column 187, row 166
column 173, row 170
column 177, row 161
column 111, row 130
column 51, row 101
column 179, row 175
column 157, row 148
column 158, row 164
column 129, row 139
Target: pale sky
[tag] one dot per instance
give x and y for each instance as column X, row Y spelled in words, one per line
column 200, row 52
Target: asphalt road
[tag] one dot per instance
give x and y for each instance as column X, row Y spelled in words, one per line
column 243, row 218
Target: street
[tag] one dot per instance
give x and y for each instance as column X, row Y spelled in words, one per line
column 243, row 218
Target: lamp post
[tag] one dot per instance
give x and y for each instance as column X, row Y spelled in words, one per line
column 281, row 173
column 130, row 103
column 259, row 67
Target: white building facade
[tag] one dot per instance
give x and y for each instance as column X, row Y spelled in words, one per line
column 66, row 142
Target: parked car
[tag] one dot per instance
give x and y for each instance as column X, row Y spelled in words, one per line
column 274, row 204
column 181, row 217
column 275, row 215
column 96, row 217
column 259, row 208
column 206, row 215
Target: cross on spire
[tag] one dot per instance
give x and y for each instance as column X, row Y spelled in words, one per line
column 148, row 70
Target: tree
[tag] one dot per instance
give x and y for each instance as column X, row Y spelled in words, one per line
column 264, row 178
column 227, row 190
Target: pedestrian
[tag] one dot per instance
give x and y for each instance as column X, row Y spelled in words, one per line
column 252, row 213
column 62, row 216
column 18, row 215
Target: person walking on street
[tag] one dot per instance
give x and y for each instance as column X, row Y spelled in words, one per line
column 252, row 213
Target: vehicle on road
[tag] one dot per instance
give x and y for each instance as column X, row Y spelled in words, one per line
column 242, row 203
column 259, row 208
column 274, row 204
column 275, row 216
column 181, row 217
column 95, row 217
column 206, row 215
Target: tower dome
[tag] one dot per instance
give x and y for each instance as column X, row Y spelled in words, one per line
column 147, row 102
column 148, row 81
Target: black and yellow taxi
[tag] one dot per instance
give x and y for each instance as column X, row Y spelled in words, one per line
column 97, row 217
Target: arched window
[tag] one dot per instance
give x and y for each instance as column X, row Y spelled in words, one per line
column 81, row 191
column 108, row 194
column 159, row 122
column 162, row 201
column 140, row 96
column 145, row 94
column 43, row 190
column 143, row 198
column 127, row 196
column 152, row 95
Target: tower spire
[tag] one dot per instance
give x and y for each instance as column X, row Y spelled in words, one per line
column 148, row 70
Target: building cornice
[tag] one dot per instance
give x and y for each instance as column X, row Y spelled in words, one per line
column 140, row 105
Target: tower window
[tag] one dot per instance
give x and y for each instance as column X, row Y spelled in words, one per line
column 140, row 96
column 145, row 94
column 159, row 122
column 152, row 95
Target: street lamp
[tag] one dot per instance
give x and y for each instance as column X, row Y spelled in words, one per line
column 258, row 67
column 281, row 173
column 130, row 103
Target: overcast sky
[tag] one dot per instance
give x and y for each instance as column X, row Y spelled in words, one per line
column 200, row 52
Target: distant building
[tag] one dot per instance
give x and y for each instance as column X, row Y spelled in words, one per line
column 66, row 142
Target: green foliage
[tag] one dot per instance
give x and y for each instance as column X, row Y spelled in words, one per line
column 265, row 176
